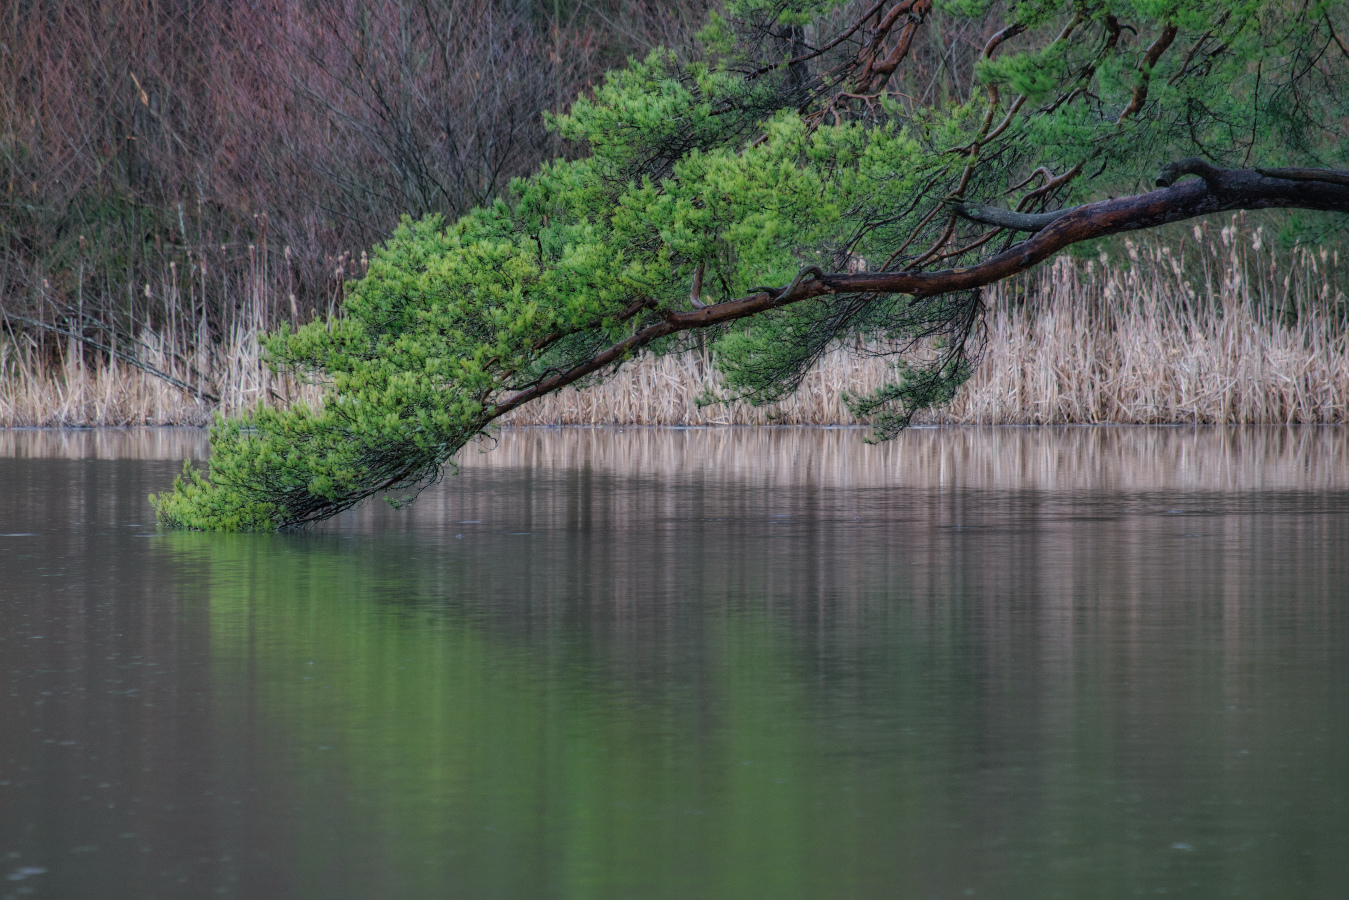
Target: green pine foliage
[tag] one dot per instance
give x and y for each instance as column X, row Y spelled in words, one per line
column 747, row 157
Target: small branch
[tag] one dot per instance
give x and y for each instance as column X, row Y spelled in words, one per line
column 1010, row 31
column 1339, row 43
column 1006, row 218
column 1011, row 113
column 1190, row 165
column 790, row 290
column 1038, row 173
column 974, row 245
column 1329, row 176
column 696, row 295
column 1145, row 67
column 1185, row 63
column 1051, row 185
column 807, row 57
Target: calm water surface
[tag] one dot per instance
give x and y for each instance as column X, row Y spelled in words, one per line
column 740, row 663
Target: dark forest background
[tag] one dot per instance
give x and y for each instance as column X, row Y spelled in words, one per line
column 177, row 166
column 177, row 176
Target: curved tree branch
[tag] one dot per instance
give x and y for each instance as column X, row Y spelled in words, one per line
column 1217, row 190
column 1190, row 165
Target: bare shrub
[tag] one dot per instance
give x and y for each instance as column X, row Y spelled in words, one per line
column 159, row 160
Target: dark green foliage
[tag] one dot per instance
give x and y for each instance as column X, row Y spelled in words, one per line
column 746, row 162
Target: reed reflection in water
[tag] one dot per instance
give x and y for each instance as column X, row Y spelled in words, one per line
column 1056, row 458
column 104, row 443
column 1016, row 663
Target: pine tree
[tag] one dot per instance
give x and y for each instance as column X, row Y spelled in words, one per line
column 808, row 171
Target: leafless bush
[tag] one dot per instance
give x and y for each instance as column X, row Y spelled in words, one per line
column 161, row 160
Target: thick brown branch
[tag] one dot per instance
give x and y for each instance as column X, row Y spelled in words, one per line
column 1219, row 190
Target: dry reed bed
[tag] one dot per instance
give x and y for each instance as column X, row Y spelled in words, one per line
column 1231, row 333
column 1224, row 331
column 1246, row 341
column 80, row 393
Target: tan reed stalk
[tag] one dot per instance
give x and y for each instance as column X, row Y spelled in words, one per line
column 1261, row 340
column 1217, row 329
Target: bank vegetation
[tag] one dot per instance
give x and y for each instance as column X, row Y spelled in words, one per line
column 177, row 179
column 1210, row 324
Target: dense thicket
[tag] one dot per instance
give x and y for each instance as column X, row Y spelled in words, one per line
column 800, row 176
column 167, row 163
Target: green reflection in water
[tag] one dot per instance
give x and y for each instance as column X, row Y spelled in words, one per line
column 436, row 753
column 422, row 719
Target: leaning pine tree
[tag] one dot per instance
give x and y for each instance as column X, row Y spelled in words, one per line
column 808, row 171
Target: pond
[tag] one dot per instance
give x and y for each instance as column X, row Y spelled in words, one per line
column 663, row 663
